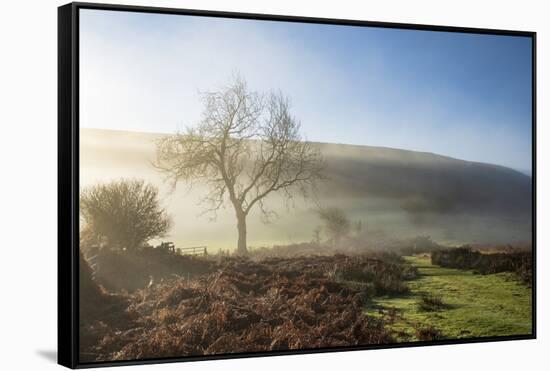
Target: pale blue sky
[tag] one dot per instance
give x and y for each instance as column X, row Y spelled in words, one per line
column 460, row 95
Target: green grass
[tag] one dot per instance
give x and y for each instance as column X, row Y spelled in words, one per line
column 475, row 305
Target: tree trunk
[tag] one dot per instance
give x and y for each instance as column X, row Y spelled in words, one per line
column 241, row 228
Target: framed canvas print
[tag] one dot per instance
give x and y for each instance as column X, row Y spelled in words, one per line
column 235, row 185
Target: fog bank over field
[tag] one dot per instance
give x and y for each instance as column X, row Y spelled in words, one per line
column 395, row 193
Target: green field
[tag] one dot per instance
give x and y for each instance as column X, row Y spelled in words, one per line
column 475, row 305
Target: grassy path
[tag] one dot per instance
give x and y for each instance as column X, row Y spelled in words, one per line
column 491, row 305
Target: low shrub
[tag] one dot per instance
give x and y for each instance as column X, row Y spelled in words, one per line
column 409, row 272
column 430, row 303
column 383, row 278
column 133, row 270
column 465, row 257
column 428, row 333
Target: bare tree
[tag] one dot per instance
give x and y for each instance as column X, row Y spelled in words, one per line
column 246, row 146
column 317, row 235
column 337, row 224
column 124, row 213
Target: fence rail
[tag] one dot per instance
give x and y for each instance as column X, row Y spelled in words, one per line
column 92, row 262
column 194, row 250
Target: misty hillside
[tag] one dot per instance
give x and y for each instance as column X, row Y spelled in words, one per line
column 426, row 183
column 396, row 192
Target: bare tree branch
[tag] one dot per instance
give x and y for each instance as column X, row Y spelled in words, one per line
column 246, row 146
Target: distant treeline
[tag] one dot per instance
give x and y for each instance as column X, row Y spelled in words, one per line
column 520, row 262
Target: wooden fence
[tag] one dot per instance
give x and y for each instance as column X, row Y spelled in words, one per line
column 92, row 261
column 195, row 250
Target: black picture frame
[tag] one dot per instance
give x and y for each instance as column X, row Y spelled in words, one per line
column 68, row 177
